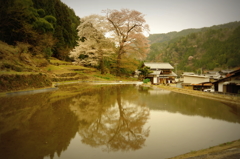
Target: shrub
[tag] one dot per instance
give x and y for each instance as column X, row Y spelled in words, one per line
column 146, row 80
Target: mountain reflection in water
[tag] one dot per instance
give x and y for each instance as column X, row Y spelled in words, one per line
column 113, row 119
column 158, row 99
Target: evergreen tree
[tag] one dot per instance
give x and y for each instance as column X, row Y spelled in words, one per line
column 50, row 27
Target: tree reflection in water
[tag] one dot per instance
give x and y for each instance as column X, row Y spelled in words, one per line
column 108, row 119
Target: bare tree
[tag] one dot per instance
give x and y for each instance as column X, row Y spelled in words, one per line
column 119, row 33
column 127, row 28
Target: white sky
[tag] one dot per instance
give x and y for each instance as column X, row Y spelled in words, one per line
column 164, row 16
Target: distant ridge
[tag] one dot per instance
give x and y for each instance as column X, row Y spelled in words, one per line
column 163, row 37
column 209, row 48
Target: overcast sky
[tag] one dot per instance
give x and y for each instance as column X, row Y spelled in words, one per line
column 164, row 16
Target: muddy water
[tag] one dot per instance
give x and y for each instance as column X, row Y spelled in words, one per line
column 113, row 121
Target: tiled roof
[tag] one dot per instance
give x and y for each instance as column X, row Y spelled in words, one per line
column 163, row 75
column 232, row 74
column 188, row 73
column 155, row 73
column 197, row 76
column 171, row 74
column 158, row 65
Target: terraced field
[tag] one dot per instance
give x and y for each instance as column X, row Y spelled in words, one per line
column 56, row 71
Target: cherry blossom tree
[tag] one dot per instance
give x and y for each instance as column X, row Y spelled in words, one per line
column 93, row 46
column 118, row 36
column 127, row 28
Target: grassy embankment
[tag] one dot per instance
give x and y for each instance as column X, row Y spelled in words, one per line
column 219, row 151
column 234, row 99
column 56, row 72
column 20, row 70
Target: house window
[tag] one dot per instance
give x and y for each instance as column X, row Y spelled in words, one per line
column 166, row 71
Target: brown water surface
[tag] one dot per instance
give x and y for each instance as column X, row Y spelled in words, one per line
column 113, row 121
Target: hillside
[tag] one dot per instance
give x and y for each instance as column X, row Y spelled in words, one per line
column 192, row 49
column 20, row 70
column 47, row 28
column 160, row 38
column 166, row 37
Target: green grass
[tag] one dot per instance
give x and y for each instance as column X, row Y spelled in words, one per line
column 54, row 60
column 76, row 67
column 226, row 143
column 16, row 73
column 106, row 77
column 50, row 68
column 14, row 63
column 65, row 68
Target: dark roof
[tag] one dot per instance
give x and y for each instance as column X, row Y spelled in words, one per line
column 231, row 74
column 226, row 71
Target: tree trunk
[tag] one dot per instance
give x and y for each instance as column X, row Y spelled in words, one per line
column 118, row 71
column 101, row 62
column 101, row 66
column 120, row 52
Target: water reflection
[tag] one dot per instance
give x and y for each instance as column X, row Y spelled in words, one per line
column 38, row 125
column 110, row 118
column 158, row 99
column 31, row 127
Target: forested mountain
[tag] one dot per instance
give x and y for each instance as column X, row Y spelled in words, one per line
column 45, row 27
column 192, row 49
column 159, row 38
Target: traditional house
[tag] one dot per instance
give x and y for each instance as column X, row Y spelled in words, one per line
column 162, row 73
column 229, row 84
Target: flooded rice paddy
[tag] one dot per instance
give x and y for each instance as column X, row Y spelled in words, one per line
column 112, row 121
